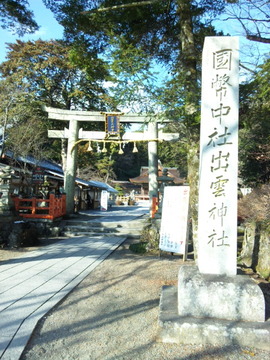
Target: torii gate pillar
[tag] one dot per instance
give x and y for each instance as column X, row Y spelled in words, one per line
column 153, row 160
column 71, row 166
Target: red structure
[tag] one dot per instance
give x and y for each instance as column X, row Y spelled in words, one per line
column 35, row 208
column 154, row 207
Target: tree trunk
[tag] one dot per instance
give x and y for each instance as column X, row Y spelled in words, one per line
column 188, row 65
column 248, row 247
column 193, row 177
column 263, row 266
column 188, row 58
column 4, row 127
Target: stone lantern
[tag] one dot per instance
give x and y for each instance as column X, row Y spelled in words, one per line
column 6, row 203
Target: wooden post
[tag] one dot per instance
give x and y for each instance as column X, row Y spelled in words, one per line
column 52, row 206
column 154, row 206
column 34, row 205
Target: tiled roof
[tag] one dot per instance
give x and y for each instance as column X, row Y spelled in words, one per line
column 56, row 170
column 143, row 178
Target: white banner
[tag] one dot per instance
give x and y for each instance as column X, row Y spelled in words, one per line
column 174, row 221
column 104, row 200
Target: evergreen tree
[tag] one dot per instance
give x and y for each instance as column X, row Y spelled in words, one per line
column 16, row 16
column 254, row 153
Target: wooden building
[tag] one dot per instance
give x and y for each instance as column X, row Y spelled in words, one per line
column 143, row 180
column 40, row 178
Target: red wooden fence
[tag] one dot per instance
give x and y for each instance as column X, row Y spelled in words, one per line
column 35, row 208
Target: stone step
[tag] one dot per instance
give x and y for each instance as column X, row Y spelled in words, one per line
column 133, row 235
column 84, row 228
column 104, row 227
column 133, row 224
column 94, row 228
column 99, row 231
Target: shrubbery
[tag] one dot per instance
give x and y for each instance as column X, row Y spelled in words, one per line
column 254, row 210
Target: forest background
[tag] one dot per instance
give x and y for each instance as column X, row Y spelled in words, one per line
column 130, row 56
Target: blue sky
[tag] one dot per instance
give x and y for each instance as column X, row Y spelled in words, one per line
column 49, row 28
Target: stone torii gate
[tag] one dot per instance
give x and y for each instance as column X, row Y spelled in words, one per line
column 74, row 134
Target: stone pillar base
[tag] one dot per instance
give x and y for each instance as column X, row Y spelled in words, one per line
column 236, row 298
column 207, row 331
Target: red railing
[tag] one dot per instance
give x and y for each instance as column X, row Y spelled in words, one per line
column 35, row 208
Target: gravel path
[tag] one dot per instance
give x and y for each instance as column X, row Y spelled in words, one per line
column 113, row 314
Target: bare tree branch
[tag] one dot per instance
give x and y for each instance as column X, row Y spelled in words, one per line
column 116, row 7
column 247, row 68
column 258, row 39
column 254, row 17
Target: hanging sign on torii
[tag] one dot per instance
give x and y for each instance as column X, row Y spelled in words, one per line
column 112, row 124
column 111, row 132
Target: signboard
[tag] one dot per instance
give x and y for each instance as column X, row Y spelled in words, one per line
column 112, row 125
column 217, row 222
column 38, row 176
column 104, row 200
column 174, row 220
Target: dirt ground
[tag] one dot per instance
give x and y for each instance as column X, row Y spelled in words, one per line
column 113, row 314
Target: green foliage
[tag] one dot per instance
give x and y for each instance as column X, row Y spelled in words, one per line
column 150, row 236
column 173, row 154
column 132, row 36
column 128, row 164
column 42, row 72
column 138, row 248
column 254, row 209
column 95, row 164
column 22, row 120
column 133, row 75
column 119, row 189
column 47, row 70
column 105, row 168
column 16, row 16
column 254, row 153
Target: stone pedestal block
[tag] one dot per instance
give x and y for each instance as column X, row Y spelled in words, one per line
column 6, row 203
column 208, row 331
column 236, row 298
